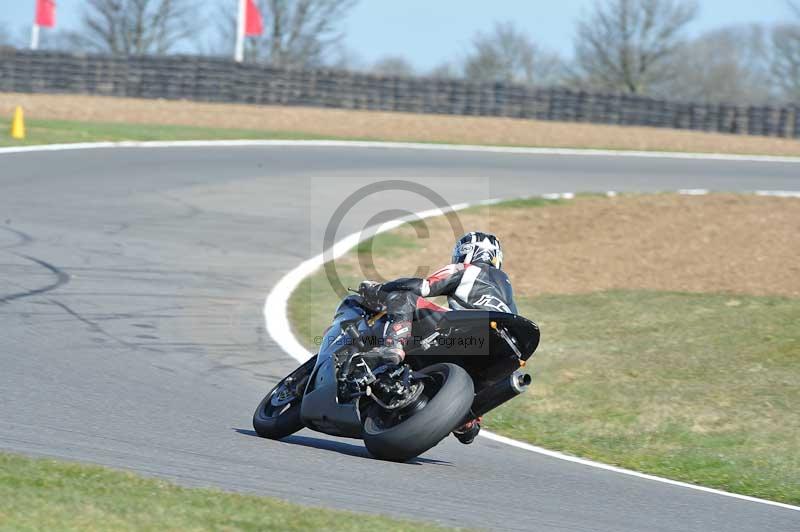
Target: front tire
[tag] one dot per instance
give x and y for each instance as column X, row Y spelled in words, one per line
column 278, row 414
column 449, row 393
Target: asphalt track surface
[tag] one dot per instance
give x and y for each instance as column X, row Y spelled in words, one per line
column 131, row 334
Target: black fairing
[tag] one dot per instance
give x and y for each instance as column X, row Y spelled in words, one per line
column 466, row 322
column 496, row 360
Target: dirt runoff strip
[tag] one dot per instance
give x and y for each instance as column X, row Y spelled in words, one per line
column 723, row 243
column 388, row 126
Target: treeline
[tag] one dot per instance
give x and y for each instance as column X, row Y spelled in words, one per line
column 630, row 46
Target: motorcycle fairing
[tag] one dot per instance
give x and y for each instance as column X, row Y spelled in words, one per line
column 321, row 409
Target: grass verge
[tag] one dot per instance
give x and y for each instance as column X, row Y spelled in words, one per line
column 69, row 131
column 696, row 387
column 310, row 122
column 38, row 494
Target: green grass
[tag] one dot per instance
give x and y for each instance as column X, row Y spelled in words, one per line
column 67, row 131
column 703, row 388
column 696, row 387
column 388, row 242
column 41, row 131
column 522, row 202
column 312, row 304
column 38, row 494
column 538, row 201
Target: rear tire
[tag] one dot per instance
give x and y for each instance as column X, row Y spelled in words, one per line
column 453, row 393
column 280, row 418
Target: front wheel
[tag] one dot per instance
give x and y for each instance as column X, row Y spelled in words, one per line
column 278, row 414
column 443, row 405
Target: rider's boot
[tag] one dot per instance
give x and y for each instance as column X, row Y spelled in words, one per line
column 382, row 356
column 391, row 352
column 467, row 432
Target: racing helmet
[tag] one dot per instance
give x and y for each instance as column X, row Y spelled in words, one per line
column 477, row 246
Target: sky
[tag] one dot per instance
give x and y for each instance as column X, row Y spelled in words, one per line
column 430, row 32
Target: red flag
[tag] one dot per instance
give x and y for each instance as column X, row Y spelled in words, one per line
column 46, row 13
column 253, row 23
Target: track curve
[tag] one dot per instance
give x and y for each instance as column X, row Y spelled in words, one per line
column 149, row 353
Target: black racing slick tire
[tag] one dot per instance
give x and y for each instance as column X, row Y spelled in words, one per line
column 278, row 414
column 449, row 393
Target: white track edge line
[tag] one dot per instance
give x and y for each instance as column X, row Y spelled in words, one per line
column 279, row 328
column 276, row 304
column 405, row 146
column 591, row 463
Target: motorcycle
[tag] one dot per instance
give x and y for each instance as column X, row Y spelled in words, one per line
column 461, row 365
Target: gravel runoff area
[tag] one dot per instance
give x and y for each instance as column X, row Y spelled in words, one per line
column 353, row 124
column 717, row 243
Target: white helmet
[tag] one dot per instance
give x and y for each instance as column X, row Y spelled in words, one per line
column 476, row 246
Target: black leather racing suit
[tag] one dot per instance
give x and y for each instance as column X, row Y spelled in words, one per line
column 467, row 286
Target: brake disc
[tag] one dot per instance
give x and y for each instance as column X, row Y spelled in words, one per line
column 283, row 395
column 406, row 399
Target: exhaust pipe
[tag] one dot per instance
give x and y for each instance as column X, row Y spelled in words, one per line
column 500, row 392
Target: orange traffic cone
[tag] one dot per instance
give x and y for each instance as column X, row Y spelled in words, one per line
column 18, row 124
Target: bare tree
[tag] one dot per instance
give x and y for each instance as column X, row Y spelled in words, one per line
column 342, row 57
column 724, row 65
column 626, row 44
column 786, row 57
column 393, row 65
column 297, row 33
column 135, row 27
column 5, row 36
column 445, row 70
column 508, row 54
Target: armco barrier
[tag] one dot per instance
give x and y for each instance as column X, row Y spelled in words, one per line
column 218, row 80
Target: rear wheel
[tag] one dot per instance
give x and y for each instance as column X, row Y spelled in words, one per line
column 442, row 406
column 278, row 414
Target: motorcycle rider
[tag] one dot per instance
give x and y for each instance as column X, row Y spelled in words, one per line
column 473, row 280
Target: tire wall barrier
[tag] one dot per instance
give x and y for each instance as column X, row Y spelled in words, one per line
column 207, row 79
